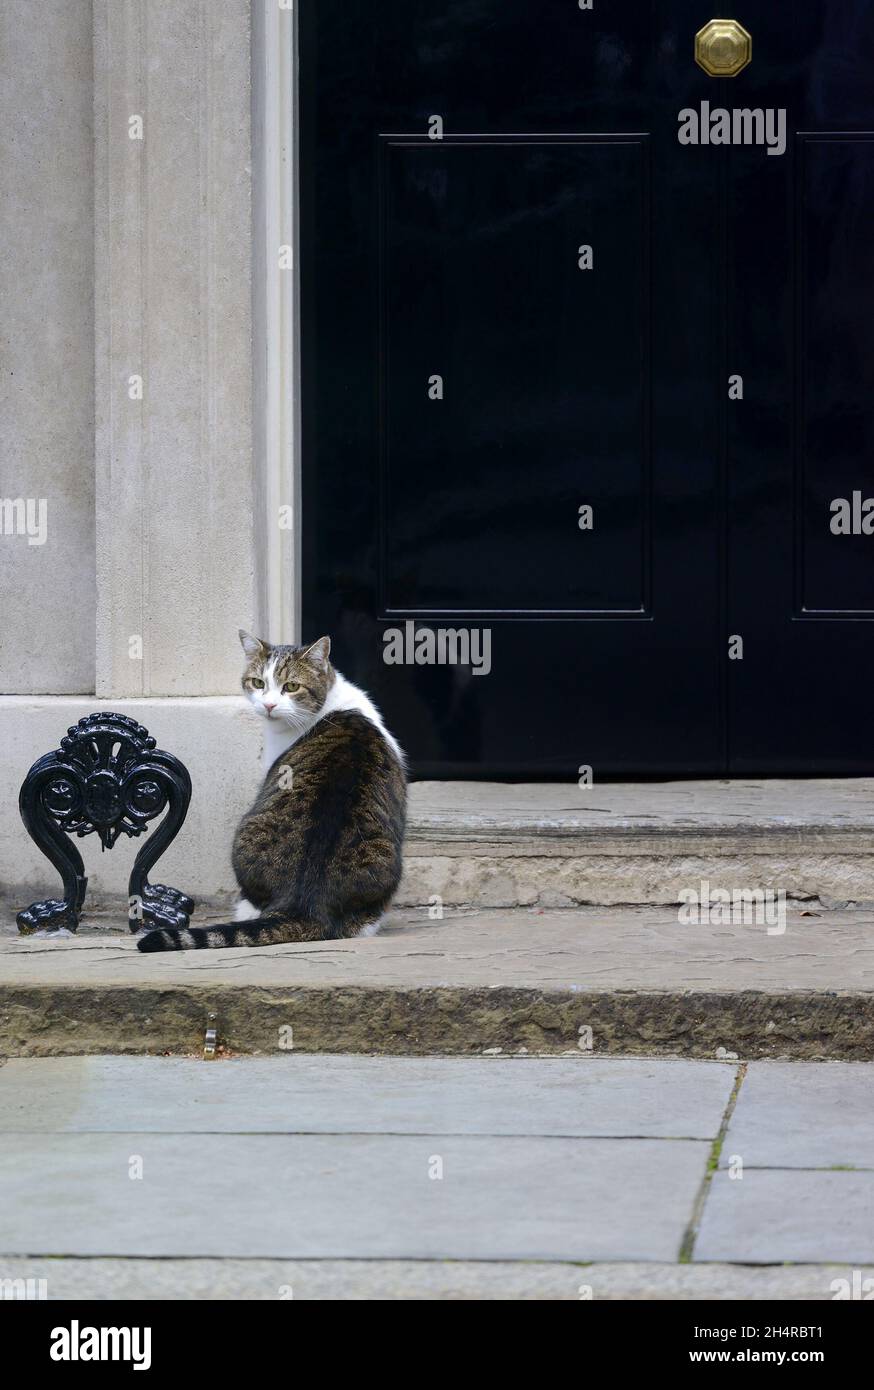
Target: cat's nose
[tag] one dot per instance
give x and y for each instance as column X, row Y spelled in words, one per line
column 269, row 708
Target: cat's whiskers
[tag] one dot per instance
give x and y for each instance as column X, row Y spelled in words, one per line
column 297, row 720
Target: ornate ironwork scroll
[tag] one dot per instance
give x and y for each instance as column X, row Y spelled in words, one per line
column 107, row 779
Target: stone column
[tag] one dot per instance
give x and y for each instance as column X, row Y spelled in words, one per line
column 176, row 491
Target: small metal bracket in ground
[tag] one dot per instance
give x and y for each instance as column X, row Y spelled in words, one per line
column 209, row 1041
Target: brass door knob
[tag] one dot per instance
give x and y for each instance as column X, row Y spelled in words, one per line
column 723, row 48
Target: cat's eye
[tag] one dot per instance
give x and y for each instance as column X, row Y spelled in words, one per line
column 291, row 688
column 257, row 683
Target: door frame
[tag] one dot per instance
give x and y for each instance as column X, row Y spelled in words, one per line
column 276, row 311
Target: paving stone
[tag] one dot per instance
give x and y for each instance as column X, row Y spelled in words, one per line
column 600, row 1097
column 804, row 1115
column 787, row 1214
column 334, row 1280
column 313, row 1175
column 348, row 1196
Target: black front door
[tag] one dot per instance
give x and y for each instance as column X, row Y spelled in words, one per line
column 579, row 395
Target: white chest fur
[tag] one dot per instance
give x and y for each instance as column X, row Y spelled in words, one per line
column 278, row 736
column 343, row 695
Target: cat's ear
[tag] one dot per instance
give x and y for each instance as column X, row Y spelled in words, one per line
column 252, row 646
column 318, row 652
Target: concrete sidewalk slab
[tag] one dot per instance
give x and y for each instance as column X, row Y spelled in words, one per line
column 630, row 980
column 348, row 1196
column 335, row 1280
column 770, row 1216
column 792, row 1115
column 336, row 1163
column 397, row 1095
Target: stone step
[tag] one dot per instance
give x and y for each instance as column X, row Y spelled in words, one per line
column 486, row 844
column 589, row 980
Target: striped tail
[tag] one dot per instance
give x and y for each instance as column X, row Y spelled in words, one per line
column 263, row 931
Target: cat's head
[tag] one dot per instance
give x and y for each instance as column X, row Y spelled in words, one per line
column 288, row 683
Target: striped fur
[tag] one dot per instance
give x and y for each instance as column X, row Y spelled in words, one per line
column 319, row 853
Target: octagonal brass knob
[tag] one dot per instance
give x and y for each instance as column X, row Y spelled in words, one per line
column 723, row 48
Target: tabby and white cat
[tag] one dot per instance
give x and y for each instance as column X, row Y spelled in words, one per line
column 319, row 854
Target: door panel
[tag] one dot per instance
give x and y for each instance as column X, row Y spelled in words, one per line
column 835, row 389
column 800, row 292
column 478, row 237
